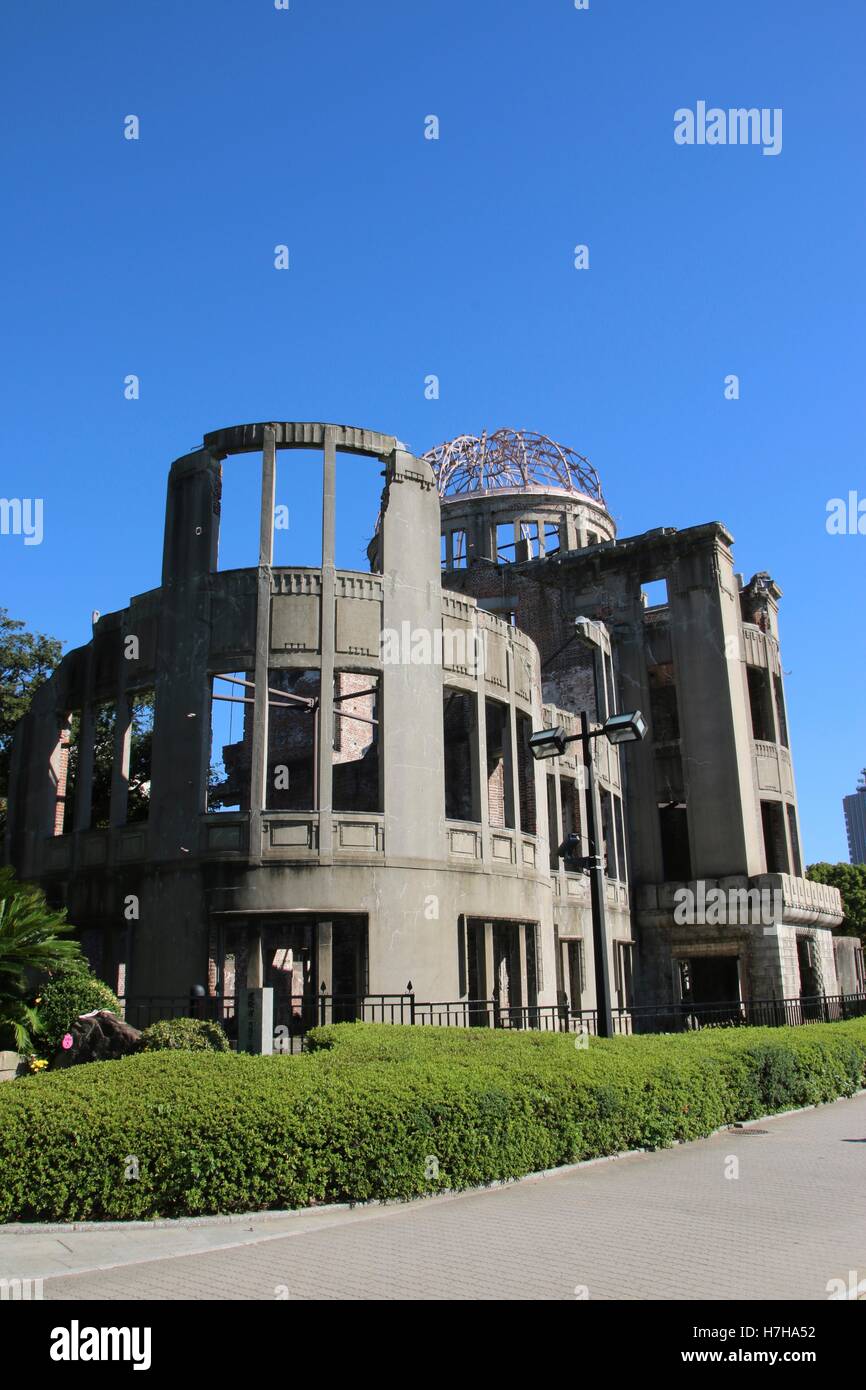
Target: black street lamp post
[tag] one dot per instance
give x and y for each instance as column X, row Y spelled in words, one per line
column 550, row 743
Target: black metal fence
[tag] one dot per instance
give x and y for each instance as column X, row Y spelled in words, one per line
column 295, row 1015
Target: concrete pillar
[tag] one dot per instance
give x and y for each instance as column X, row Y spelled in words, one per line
column 84, row 775
column 191, row 540
column 489, row 969
column 324, row 967
column 122, row 745
column 258, row 767
column 715, row 727
column 327, row 643
column 182, row 729
column 412, row 727
column 255, row 961
column 256, row 1021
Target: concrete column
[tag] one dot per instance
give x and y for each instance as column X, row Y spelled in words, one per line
column 412, row 726
column 489, row 972
column 477, row 785
column 325, row 965
column 557, row 830
column 122, row 744
column 191, row 540
column 181, row 731
column 510, row 770
column 255, row 962
column 480, row 766
column 327, row 643
column 269, row 483
column 259, row 768
column 715, row 726
column 84, row 778
column 523, row 973
column 120, row 767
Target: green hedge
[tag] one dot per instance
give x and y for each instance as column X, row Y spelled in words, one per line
column 185, row 1035
column 364, row 1114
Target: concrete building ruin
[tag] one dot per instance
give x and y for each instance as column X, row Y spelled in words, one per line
column 319, row 779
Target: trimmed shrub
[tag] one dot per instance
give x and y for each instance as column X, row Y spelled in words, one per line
column 71, row 991
column 361, row 1117
column 184, row 1035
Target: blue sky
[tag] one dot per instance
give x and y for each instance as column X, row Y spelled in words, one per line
column 411, row 257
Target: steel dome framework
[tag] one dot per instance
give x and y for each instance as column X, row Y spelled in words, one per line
column 514, row 459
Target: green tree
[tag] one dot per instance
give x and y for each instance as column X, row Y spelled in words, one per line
column 26, row 660
column 850, row 879
column 34, row 940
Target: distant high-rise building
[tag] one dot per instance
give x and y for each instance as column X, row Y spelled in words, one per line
column 855, row 822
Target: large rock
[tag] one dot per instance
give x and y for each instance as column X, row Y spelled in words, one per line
column 97, row 1037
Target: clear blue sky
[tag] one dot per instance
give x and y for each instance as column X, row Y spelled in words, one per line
column 411, row 257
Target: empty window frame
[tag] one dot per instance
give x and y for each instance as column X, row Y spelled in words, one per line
column 142, row 707
column 530, row 542
column 552, row 831
column 775, row 844
column 664, row 709
column 619, row 830
column 575, row 971
column 534, row 964
column 654, row 594
column 458, row 550
column 552, row 537
column 526, row 765
column 807, row 960
column 231, row 739
column 458, row 712
column 65, row 763
column 781, row 716
column 355, row 762
column 505, row 542
column 609, row 690
column 760, row 700
column 240, row 505
column 569, row 801
column 796, row 861
column 676, row 852
column 298, row 491
column 608, row 833
column 293, row 726
column 623, row 973
column 104, row 725
column 500, row 798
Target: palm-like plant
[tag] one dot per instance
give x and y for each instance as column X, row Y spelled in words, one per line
column 33, row 939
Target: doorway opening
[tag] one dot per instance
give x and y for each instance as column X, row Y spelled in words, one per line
column 301, row 953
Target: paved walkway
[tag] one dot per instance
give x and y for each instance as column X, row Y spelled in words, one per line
column 667, row 1225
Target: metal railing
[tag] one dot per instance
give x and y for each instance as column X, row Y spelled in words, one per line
column 295, row 1015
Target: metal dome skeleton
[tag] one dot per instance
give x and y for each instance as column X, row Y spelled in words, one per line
column 517, row 460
